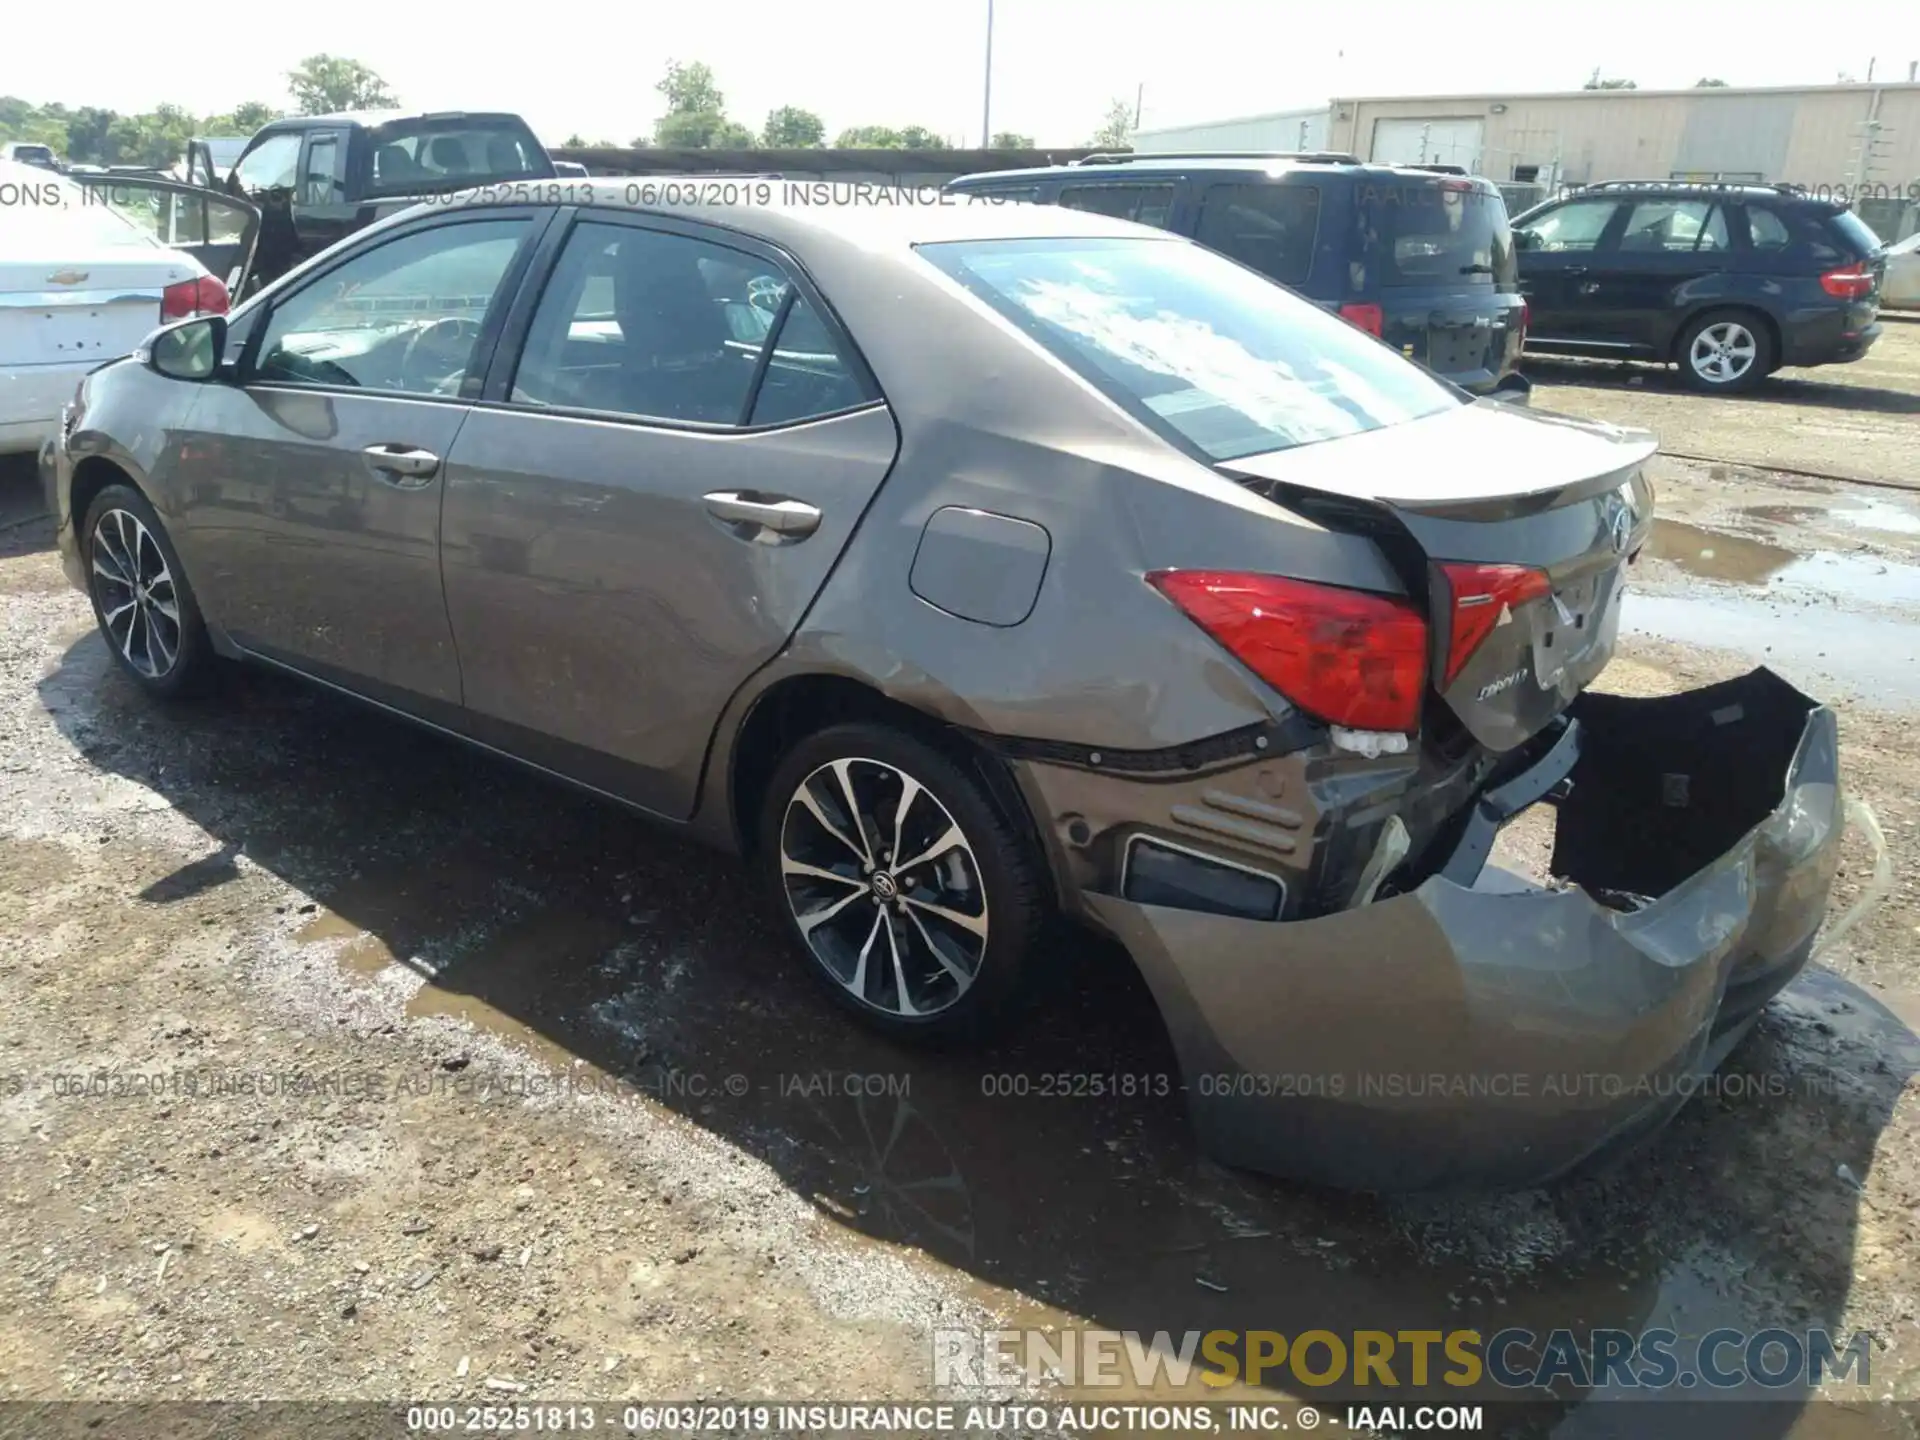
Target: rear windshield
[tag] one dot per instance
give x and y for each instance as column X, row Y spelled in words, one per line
column 414, row 154
column 1216, row 358
column 1856, row 232
column 1428, row 232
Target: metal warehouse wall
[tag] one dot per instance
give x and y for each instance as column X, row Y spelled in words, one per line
column 1806, row 136
column 1284, row 130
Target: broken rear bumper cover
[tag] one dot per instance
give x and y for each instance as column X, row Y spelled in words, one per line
column 1482, row 1032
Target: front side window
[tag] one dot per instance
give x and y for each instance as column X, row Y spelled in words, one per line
column 402, row 317
column 270, row 166
column 1219, row 360
column 1268, row 227
column 1577, row 225
column 661, row 326
column 1675, row 226
column 1142, row 204
column 317, row 178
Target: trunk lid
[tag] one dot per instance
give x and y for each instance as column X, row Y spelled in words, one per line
column 1515, row 526
column 82, row 306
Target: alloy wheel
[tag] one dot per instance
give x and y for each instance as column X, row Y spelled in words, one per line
column 1723, row 352
column 884, row 887
column 139, row 604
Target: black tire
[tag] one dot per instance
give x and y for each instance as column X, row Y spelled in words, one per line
column 139, row 640
column 1744, row 359
column 993, row 876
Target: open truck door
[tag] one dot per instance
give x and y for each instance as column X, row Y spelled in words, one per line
column 221, row 231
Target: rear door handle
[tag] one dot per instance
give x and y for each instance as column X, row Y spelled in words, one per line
column 788, row 518
column 398, row 464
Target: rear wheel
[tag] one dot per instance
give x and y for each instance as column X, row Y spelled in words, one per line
column 141, row 600
column 911, row 896
column 1726, row 351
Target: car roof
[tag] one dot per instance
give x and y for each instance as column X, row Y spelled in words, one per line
column 1242, row 164
column 374, row 119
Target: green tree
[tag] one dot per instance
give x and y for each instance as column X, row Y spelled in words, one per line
column 1011, row 140
column 87, row 131
column 323, row 84
column 250, row 115
column 791, row 128
column 1116, row 131
column 1594, row 82
column 918, row 137
column 868, row 137
column 575, row 141
column 696, row 117
column 1709, row 84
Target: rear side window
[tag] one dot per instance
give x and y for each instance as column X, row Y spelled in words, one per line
column 1268, row 227
column 1431, row 232
column 663, row 326
column 1855, row 234
column 1142, row 204
column 1825, row 238
column 414, row 153
column 1674, row 227
column 1219, row 360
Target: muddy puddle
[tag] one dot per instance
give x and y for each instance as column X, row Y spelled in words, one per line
column 1846, row 619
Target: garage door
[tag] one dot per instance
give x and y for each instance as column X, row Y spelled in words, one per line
column 1429, row 142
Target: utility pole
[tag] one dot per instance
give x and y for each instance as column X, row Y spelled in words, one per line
column 1139, row 99
column 986, row 102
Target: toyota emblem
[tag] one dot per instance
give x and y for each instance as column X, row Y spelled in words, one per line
column 1622, row 529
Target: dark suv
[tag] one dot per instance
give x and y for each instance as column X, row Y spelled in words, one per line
column 316, row 178
column 1420, row 258
column 1729, row 282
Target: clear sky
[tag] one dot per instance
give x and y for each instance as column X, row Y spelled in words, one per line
column 591, row 66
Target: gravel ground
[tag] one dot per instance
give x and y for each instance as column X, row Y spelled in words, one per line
column 336, row 1062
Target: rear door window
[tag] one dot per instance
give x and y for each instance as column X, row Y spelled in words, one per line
column 1270, row 228
column 1675, row 227
column 1143, row 204
column 1431, row 233
column 437, row 154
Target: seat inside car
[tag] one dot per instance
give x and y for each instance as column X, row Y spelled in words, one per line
column 392, row 165
column 448, row 155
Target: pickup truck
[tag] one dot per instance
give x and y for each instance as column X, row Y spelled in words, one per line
column 316, row 178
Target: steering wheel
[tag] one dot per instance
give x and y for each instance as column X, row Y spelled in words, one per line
column 446, row 345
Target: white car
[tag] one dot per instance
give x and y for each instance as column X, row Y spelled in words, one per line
column 85, row 277
column 1901, row 289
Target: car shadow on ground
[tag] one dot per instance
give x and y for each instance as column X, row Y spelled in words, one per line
column 1786, row 388
column 578, row 932
column 24, row 524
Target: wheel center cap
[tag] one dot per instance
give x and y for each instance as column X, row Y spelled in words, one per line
column 883, row 886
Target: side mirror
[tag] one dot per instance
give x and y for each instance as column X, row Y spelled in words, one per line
column 189, row 350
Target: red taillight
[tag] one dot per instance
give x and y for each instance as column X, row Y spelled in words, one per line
column 1348, row 656
column 1852, row 283
column 1481, row 595
column 205, row 296
column 1369, row 318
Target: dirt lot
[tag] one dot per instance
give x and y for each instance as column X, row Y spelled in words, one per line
column 337, row 1062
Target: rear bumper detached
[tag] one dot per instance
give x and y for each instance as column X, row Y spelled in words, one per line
column 1481, row 1031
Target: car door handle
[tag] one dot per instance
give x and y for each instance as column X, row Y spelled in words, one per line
column 786, row 518
column 397, row 464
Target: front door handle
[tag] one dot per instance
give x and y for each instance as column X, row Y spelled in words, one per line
column 398, row 464
column 785, row 518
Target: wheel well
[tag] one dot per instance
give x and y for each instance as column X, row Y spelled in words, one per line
column 90, row 477
column 797, row 708
column 1767, row 323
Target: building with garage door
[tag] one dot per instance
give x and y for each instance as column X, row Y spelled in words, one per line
column 1843, row 140
column 1281, row 130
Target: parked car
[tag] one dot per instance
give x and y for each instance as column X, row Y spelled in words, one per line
column 1152, row 594
column 1901, row 289
column 316, row 178
column 1728, row 282
column 85, row 276
column 23, row 152
column 1420, row 258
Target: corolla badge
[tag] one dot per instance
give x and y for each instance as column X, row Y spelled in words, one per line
column 1619, row 522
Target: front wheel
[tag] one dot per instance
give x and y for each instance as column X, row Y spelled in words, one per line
column 141, row 600
column 1726, row 351
column 909, row 892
